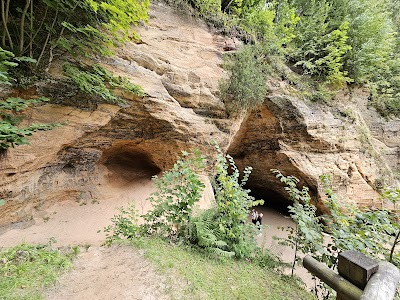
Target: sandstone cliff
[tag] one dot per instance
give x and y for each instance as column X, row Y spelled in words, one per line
column 178, row 63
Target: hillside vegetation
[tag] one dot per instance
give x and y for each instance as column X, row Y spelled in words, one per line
column 335, row 43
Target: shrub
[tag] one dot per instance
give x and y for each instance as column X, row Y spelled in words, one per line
column 233, row 204
column 222, row 230
column 246, row 86
column 374, row 232
column 178, row 190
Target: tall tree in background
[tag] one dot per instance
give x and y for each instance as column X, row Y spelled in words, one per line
column 36, row 28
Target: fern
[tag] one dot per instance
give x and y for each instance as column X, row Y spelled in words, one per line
column 96, row 80
column 204, row 232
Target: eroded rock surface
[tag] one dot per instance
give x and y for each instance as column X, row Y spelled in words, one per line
column 308, row 140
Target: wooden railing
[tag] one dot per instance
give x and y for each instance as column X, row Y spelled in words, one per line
column 359, row 278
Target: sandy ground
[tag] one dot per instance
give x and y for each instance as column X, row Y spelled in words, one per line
column 117, row 272
column 78, row 222
column 109, row 273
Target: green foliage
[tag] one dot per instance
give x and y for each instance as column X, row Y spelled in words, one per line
column 307, row 236
column 44, row 29
column 240, row 7
column 204, row 232
column 369, row 231
column 233, row 204
column 320, row 43
column 120, row 15
column 223, row 231
column 11, row 114
column 178, row 191
column 374, row 232
column 207, row 7
column 96, row 80
column 124, row 225
column 26, row 270
column 372, row 37
column 246, row 86
column 6, row 62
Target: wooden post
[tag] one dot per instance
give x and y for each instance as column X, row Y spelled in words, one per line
column 335, row 281
column 356, row 267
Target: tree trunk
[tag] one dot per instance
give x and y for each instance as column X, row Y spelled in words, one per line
column 22, row 27
column 4, row 16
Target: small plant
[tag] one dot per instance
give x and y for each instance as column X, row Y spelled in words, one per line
column 124, row 225
column 11, row 114
column 96, row 80
column 307, row 236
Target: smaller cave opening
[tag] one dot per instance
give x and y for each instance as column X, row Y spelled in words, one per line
column 272, row 200
column 126, row 166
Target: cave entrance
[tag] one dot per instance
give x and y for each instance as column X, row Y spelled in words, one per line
column 272, row 200
column 126, row 165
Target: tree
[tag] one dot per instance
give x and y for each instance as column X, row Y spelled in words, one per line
column 37, row 28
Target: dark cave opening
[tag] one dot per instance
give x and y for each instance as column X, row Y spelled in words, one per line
column 129, row 165
column 272, row 199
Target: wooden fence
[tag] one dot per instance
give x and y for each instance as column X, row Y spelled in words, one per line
column 359, row 278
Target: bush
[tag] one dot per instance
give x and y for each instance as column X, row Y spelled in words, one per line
column 374, row 232
column 222, row 230
column 246, row 86
column 178, row 190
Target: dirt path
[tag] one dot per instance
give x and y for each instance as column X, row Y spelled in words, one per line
column 109, row 273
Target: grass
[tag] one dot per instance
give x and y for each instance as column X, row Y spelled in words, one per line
column 25, row 270
column 198, row 276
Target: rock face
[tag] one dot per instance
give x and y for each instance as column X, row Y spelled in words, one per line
column 178, row 64
column 308, row 140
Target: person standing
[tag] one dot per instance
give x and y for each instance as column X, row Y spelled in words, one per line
column 254, row 216
column 259, row 220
